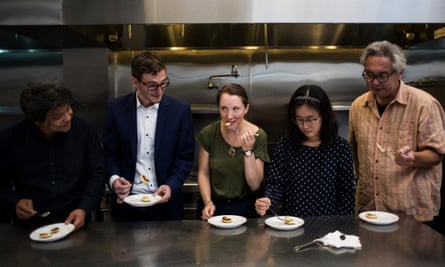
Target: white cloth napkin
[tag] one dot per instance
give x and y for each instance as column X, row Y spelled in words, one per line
column 339, row 240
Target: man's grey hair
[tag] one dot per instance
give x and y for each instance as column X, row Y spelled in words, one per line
column 385, row 49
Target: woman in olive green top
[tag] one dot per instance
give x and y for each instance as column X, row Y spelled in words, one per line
column 231, row 158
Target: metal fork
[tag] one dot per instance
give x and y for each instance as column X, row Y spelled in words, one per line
column 305, row 245
column 317, row 241
column 387, row 152
column 276, row 214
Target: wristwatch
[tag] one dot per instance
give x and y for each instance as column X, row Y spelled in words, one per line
column 247, row 153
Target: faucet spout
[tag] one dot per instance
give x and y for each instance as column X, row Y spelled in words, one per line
column 233, row 73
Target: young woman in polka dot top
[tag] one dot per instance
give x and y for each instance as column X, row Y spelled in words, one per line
column 311, row 173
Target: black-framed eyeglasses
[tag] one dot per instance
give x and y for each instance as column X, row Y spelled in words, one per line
column 151, row 86
column 381, row 77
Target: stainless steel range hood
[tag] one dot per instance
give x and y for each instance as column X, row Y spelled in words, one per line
column 214, row 36
column 214, row 24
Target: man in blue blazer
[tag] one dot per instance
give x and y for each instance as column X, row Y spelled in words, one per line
column 148, row 144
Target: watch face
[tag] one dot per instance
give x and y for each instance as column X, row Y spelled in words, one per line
column 248, row 153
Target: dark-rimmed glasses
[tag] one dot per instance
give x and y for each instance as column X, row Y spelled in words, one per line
column 151, row 86
column 381, row 77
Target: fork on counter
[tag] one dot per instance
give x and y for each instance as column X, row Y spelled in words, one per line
column 307, row 244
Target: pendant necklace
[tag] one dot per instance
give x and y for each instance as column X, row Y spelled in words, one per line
column 232, row 151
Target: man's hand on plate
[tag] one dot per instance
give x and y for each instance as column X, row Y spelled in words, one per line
column 165, row 192
column 76, row 217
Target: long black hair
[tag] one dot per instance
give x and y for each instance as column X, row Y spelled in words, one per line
column 316, row 98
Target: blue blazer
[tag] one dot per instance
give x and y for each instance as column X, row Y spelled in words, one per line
column 174, row 146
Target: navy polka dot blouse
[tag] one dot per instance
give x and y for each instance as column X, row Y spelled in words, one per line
column 312, row 181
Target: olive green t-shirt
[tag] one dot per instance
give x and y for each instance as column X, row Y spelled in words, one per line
column 226, row 173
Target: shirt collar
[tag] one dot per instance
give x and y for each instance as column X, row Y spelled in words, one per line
column 400, row 97
column 139, row 105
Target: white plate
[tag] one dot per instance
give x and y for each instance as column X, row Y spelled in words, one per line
column 64, row 230
column 383, row 217
column 278, row 224
column 237, row 221
column 136, row 200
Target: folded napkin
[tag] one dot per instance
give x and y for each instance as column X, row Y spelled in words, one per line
column 339, row 240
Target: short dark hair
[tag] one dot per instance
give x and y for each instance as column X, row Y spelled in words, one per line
column 38, row 98
column 233, row 89
column 315, row 97
column 146, row 63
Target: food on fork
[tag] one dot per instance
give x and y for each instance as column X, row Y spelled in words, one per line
column 370, row 215
column 288, row 220
column 227, row 124
column 380, row 148
column 54, row 230
column 144, row 179
column 45, row 235
column 226, row 219
column 145, row 198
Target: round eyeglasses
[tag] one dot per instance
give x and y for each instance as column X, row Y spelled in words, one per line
column 381, row 77
column 306, row 121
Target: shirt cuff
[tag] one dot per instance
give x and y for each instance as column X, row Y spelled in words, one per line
column 112, row 179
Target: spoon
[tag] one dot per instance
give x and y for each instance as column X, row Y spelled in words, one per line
column 43, row 214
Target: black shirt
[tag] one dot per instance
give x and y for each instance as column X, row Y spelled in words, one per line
column 59, row 175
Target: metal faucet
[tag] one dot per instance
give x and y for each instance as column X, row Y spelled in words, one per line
column 233, row 73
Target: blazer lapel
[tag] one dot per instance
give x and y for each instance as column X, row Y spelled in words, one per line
column 130, row 116
column 161, row 123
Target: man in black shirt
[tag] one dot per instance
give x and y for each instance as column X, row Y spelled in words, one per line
column 51, row 161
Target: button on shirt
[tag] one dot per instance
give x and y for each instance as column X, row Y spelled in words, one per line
column 145, row 162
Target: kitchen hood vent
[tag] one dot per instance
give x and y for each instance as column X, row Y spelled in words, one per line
column 215, row 24
column 215, row 36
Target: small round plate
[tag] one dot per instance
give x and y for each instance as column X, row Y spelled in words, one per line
column 278, row 224
column 379, row 218
column 237, row 221
column 136, row 200
column 63, row 231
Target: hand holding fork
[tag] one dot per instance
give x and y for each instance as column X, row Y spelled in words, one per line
column 404, row 157
column 387, row 152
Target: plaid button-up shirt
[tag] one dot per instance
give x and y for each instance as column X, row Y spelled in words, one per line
column 413, row 118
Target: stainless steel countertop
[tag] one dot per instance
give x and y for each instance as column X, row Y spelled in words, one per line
column 195, row 243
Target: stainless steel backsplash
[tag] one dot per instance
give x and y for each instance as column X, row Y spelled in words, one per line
column 97, row 75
